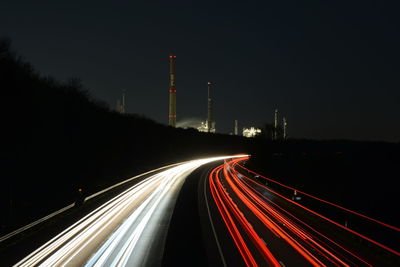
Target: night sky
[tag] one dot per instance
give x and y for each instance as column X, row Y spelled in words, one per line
column 331, row 67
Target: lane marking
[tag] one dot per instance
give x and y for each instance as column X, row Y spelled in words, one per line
column 212, row 224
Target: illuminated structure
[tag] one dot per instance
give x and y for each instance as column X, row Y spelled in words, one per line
column 236, row 132
column 284, row 128
column 121, row 106
column 251, row 132
column 172, row 92
column 210, row 123
column 204, row 127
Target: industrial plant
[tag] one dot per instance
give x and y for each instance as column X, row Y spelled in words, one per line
column 275, row 132
column 251, row 132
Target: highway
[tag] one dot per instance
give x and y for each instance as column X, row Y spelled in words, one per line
column 271, row 229
column 128, row 230
column 211, row 212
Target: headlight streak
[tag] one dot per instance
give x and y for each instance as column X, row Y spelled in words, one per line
column 104, row 252
column 94, row 235
column 125, row 252
column 227, row 186
column 94, row 238
column 47, row 217
column 90, row 220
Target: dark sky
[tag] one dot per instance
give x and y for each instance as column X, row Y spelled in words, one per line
column 331, row 67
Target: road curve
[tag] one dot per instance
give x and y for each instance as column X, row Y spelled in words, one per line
column 134, row 222
column 269, row 229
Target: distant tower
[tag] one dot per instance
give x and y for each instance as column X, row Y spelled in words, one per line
column 284, row 128
column 276, row 125
column 121, row 105
column 123, row 102
column 209, row 109
column 172, row 92
column 236, row 127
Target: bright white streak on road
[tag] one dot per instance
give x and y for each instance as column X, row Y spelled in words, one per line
column 110, row 234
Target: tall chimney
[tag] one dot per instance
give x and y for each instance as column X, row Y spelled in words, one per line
column 284, row 128
column 172, row 92
column 209, row 108
column 276, row 125
column 236, row 127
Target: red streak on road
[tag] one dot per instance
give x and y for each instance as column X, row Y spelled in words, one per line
column 322, row 200
column 228, row 186
column 227, row 208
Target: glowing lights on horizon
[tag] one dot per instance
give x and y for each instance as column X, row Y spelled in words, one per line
column 251, row 132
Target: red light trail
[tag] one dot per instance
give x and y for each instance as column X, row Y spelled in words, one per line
column 251, row 217
column 319, row 199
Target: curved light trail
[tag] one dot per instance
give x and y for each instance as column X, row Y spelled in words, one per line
column 259, row 224
column 129, row 224
column 322, row 200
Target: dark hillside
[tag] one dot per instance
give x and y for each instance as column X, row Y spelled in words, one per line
column 57, row 139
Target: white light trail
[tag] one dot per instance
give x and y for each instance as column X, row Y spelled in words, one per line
column 121, row 227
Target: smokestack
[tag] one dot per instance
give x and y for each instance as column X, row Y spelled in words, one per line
column 209, row 109
column 172, row 92
column 284, row 128
column 123, row 102
column 276, row 125
column 236, row 127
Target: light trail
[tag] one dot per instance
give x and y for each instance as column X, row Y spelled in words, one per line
column 322, row 200
column 318, row 235
column 330, row 220
column 229, row 212
column 248, row 215
column 121, row 227
column 55, row 213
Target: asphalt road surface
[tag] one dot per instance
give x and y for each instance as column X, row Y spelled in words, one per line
column 208, row 212
column 128, row 230
column 269, row 228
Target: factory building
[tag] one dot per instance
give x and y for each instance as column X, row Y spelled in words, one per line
column 251, row 132
column 204, row 127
